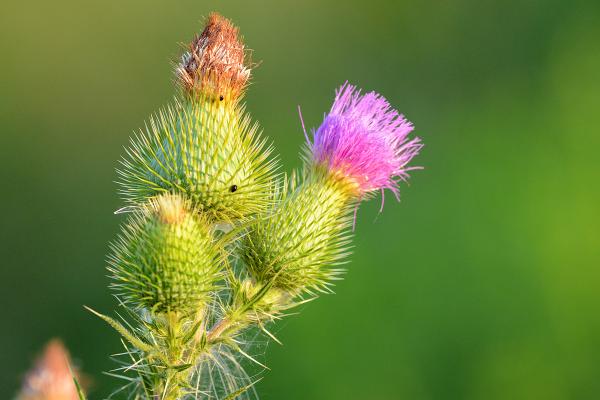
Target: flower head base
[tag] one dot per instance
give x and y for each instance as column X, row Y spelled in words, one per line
column 363, row 139
column 214, row 63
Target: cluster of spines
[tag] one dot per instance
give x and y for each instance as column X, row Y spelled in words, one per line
column 166, row 258
column 209, row 152
column 305, row 235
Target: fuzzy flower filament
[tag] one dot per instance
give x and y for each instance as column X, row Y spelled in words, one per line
column 364, row 140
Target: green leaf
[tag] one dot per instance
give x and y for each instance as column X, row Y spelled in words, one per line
column 130, row 337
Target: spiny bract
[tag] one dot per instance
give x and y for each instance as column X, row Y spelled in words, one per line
column 303, row 237
column 165, row 258
column 207, row 151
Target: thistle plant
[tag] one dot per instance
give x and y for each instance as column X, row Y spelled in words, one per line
column 217, row 243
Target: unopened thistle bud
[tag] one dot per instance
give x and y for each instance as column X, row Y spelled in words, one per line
column 304, row 238
column 215, row 159
column 51, row 378
column 165, row 258
column 361, row 147
column 214, row 64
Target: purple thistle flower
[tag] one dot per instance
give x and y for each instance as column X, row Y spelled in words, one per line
column 363, row 138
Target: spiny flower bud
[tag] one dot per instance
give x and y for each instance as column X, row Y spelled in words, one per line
column 214, row 63
column 366, row 141
column 51, row 378
column 165, row 258
column 300, row 242
column 215, row 159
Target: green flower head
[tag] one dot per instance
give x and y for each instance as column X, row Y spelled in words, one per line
column 165, row 259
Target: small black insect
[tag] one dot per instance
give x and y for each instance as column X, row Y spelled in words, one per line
column 221, row 97
column 233, row 188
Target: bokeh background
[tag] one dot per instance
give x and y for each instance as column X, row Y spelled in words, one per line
column 483, row 283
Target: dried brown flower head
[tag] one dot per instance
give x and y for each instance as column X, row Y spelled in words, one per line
column 51, row 377
column 214, row 63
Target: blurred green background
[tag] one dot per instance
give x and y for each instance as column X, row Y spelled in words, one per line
column 483, row 283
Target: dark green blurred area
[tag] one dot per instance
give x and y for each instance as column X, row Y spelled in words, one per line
column 483, row 283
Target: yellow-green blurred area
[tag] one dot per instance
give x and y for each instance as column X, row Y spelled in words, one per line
column 482, row 283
